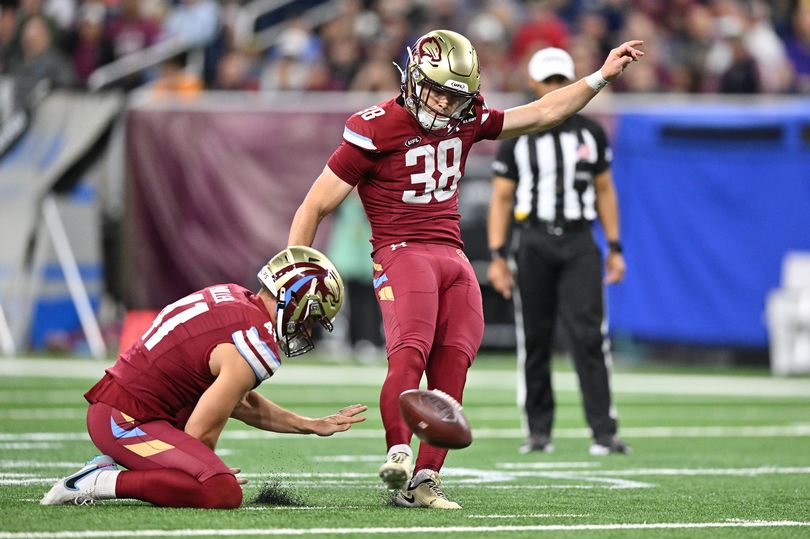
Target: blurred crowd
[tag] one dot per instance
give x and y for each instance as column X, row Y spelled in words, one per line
column 694, row 46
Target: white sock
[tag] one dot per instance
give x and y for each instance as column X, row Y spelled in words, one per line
column 105, row 484
column 400, row 448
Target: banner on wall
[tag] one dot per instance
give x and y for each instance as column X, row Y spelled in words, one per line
column 214, row 190
column 712, row 197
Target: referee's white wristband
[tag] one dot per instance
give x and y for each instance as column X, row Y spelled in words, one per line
column 596, row 81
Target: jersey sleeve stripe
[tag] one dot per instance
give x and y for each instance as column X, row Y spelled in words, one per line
column 270, row 359
column 244, row 349
column 358, row 140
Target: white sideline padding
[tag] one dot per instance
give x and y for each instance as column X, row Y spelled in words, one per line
column 788, row 317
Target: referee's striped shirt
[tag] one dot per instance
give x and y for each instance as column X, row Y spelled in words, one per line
column 545, row 166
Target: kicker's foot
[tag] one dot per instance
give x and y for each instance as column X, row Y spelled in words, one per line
column 425, row 490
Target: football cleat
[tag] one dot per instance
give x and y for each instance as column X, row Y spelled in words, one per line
column 396, row 470
column 536, row 443
column 79, row 488
column 424, row 491
column 612, row 445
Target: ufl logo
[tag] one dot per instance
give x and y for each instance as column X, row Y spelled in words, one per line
column 457, row 85
column 413, row 141
column 583, row 152
column 430, row 50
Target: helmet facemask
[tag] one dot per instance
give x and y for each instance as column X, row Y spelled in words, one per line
column 437, row 107
column 296, row 315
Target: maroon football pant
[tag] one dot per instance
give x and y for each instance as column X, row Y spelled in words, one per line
column 166, row 466
column 431, row 307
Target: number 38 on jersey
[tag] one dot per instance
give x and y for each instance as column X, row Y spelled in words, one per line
column 438, row 170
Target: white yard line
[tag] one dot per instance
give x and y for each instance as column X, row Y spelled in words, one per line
column 43, row 414
column 373, row 375
column 532, row 515
column 43, row 437
column 36, row 397
column 33, row 481
column 300, row 508
column 402, row 530
column 544, row 465
column 348, row 458
column 758, row 431
column 740, row 472
column 24, row 446
column 476, row 478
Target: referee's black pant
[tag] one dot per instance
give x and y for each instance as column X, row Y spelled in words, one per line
column 560, row 277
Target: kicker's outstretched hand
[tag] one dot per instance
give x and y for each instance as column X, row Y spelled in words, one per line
column 621, row 57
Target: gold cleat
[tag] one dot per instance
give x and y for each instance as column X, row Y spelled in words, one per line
column 396, row 470
column 425, row 491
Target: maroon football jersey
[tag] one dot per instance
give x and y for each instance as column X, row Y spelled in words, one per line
column 408, row 178
column 163, row 375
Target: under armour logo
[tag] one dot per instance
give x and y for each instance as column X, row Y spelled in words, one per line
column 395, row 246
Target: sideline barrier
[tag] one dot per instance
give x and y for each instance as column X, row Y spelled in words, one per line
column 712, row 196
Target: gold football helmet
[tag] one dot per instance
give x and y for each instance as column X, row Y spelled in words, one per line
column 441, row 80
column 308, row 289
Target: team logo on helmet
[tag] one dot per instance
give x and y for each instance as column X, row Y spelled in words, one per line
column 430, row 50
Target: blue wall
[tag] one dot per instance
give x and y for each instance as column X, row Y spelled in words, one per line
column 711, row 199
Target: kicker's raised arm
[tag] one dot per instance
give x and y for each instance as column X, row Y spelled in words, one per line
column 558, row 105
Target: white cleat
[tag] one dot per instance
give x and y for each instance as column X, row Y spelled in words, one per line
column 396, row 470
column 424, row 491
column 79, row 488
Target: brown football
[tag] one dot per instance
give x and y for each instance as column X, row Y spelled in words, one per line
column 436, row 418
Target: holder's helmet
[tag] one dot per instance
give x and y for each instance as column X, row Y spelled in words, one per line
column 443, row 63
column 308, row 289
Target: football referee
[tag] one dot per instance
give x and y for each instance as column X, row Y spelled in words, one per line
column 555, row 184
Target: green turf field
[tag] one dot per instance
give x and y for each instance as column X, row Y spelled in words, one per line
column 717, row 454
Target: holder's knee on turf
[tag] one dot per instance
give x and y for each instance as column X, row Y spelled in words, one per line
column 221, row 492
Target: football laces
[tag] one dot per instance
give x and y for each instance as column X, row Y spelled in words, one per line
column 453, row 401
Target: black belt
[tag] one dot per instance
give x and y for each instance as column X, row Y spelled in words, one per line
column 558, row 228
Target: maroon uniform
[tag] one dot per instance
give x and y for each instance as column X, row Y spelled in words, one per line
column 408, row 179
column 429, row 296
column 141, row 405
column 163, row 375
